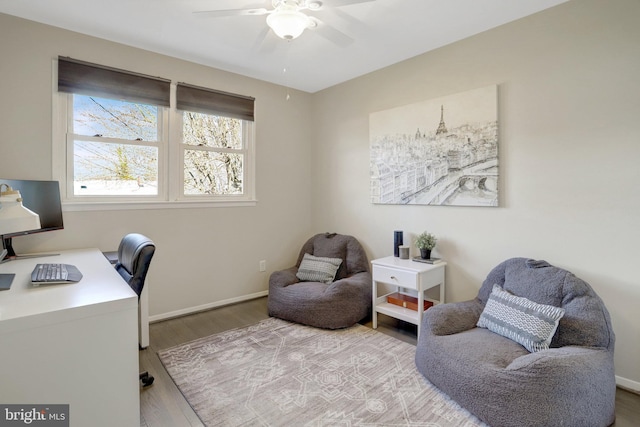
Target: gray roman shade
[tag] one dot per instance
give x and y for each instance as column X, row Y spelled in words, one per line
column 203, row 100
column 85, row 78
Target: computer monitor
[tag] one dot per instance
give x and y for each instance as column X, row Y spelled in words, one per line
column 43, row 198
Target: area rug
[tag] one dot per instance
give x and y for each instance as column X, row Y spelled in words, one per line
column 277, row 373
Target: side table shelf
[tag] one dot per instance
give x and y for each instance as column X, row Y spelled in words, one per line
column 405, row 275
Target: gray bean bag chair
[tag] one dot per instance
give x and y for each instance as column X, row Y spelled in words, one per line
column 497, row 379
column 338, row 304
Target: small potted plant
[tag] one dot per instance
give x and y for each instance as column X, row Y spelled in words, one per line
column 425, row 242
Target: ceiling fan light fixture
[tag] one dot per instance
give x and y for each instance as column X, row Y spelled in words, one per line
column 288, row 24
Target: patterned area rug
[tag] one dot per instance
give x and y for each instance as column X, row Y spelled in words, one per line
column 277, row 373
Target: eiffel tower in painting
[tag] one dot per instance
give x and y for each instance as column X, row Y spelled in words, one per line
column 442, row 129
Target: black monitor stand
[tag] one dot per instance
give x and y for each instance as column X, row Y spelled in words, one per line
column 7, row 244
column 5, row 279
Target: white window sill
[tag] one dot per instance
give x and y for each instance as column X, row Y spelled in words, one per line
column 181, row 204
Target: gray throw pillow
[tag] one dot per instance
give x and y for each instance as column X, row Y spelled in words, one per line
column 520, row 319
column 331, row 245
column 318, row 269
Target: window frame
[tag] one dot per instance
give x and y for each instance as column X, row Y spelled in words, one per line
column 161, row 144
column 170, row 162
column 247, row 150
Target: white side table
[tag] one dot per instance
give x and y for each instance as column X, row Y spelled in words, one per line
column 408, row 277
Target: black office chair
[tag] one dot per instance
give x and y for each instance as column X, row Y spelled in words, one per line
column 134, row 256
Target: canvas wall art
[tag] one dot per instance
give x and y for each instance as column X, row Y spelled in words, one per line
column 441, row 151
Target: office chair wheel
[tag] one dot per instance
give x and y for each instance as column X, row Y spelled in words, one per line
column 146, row 379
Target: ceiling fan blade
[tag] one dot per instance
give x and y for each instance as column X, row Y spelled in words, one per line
column 339, row 3
column 330, row 33
column 233, row 12
column 263, row 42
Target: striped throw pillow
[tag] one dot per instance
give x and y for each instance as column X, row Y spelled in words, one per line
column 318, row 269
column 521, row 320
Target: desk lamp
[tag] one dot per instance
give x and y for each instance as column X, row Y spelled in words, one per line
column 14, row 218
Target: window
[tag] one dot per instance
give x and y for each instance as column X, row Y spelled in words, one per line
column 213, row 153
column 119, row 141
column 217, row 148
column 114, row 146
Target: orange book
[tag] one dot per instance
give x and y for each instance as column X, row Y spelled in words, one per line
column 406, row 301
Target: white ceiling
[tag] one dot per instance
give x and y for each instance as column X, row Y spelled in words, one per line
column 374, row 35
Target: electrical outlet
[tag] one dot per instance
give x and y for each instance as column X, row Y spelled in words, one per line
column 263, row 265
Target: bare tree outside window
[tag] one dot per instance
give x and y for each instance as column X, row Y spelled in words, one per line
column 213, row 158
column 119, row 151
column 115, row 147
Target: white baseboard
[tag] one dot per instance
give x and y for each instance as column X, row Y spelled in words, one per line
column 628, row 384
column 191, row 310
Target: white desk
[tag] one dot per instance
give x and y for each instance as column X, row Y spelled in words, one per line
column 73, row 344
column 410, row 276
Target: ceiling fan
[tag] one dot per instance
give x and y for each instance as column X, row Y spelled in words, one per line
column 287, row 19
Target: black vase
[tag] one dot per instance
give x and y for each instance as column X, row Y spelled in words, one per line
column 425, row 253
column 397, row 242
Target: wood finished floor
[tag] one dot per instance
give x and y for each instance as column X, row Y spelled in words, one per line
column 162, row 404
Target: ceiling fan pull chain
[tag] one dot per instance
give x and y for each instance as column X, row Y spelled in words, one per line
column 286, row 82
